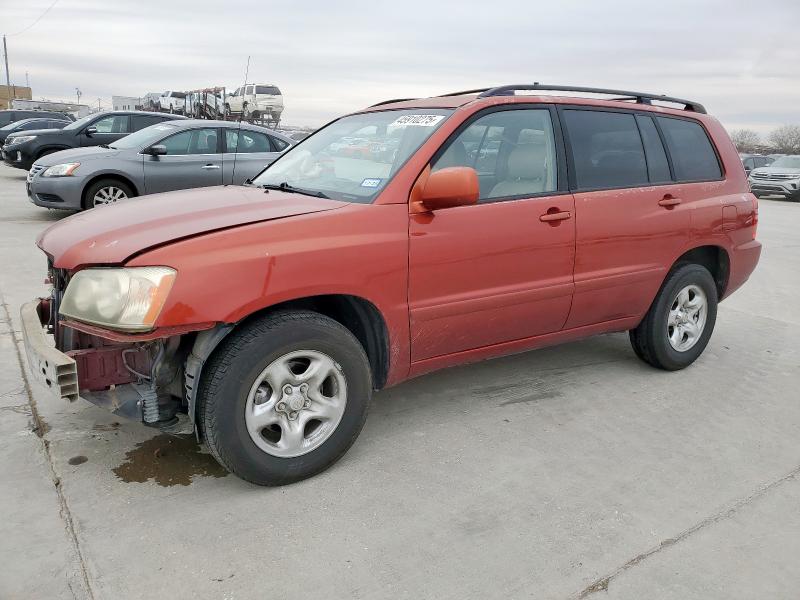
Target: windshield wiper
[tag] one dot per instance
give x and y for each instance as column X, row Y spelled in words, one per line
column 104, row 146
column 287, row 187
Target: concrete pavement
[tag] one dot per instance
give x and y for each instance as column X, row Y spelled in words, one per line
column 570, row 472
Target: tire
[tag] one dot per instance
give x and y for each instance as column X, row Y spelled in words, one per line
column 112, row 185
column 230, row 388
column 655, row 340
column 46, row 152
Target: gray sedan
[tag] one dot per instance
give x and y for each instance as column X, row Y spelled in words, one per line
column 172, row 155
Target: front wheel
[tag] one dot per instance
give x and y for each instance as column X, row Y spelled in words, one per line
column 676, row 329
column 106, row 191
column 284, row 397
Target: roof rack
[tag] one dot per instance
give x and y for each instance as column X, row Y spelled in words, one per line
column 392, row 101
column 639, row 97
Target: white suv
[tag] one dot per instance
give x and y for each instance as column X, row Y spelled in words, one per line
column 257, row 101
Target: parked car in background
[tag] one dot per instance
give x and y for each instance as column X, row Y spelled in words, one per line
column 754, row 161
column 263, row 317
column 22, row 149
column 781, row 177
column 172, row 155
column 172, row 102
column 256, row 101
column 28, row 124
column 12, row 115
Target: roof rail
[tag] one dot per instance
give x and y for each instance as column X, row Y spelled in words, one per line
column 392, row 101
column 639, row 97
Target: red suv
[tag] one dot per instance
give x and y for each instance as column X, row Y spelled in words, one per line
column 263, row 317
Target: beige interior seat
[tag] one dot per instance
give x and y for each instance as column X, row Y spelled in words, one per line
column 525, row 173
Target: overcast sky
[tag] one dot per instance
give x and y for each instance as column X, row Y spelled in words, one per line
column 741, row 59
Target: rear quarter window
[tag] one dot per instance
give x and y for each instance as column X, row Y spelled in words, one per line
column 693, row 155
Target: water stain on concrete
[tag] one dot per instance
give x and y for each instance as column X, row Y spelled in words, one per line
column 77, row 460
column 106, row 426
column 168, row 460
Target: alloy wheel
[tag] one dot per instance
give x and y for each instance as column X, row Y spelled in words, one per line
column 687, row 318
column 296, row 403
column 108, row 195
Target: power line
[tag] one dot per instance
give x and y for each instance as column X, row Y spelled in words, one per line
column 39, row 18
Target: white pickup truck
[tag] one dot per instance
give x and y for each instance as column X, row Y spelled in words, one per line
column 172, row 102
column 256, row 101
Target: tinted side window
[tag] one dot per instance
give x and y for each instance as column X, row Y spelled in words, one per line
column 657, row 164
column 196, row 141
column 606, row 149
column 692, row 154
column 245, row 141
column 142, row 121
column 513, row 152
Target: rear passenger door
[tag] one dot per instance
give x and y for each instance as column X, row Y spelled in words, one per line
column 193, row 159
column 499, row 270
column 247, row 152
column 633, row 215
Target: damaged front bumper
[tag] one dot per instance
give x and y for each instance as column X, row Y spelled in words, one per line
column 141, row 380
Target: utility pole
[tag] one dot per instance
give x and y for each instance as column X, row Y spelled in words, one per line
column 78, row 92
column 27, row 80
column 8, row 79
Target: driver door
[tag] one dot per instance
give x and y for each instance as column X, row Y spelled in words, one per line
column 108, row 129
column 499, row 270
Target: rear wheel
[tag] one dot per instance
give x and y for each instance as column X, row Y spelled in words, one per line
column 284, row 397
column 106, row 191
column 676, row 329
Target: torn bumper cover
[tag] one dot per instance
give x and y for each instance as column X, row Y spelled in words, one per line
column 49, row 366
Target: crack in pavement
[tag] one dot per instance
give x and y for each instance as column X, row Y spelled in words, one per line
column 64, row 511
column 601, row 584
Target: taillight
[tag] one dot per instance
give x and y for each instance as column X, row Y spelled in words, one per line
column 755, row 216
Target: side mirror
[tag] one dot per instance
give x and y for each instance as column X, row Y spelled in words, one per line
column 450, row 187
column 157, row 150
column 90, row 130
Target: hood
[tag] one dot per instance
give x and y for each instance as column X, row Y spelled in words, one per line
column 112, row 234
column 776, row 171
column 34, row 132
column 76, row 155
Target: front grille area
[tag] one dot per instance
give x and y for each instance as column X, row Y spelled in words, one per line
column 776, row 176
column 35, row 170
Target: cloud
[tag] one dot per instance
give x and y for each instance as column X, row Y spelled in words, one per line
column 334, row 57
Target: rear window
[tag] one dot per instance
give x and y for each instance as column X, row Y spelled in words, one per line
column 693, row 156
column 607, row 150
column 268, row 89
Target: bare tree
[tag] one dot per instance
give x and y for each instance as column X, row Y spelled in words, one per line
column 786, row 139
column 746, row 140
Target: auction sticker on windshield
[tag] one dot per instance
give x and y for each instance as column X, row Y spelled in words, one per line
column 418, row 120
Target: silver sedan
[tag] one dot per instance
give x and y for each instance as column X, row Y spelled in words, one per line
column 172, row 155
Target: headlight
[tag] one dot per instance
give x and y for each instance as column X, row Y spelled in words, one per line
column 21, row 139
column 129, row 299
column 64, row 170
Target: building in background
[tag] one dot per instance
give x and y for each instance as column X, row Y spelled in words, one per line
column 16, row 91
column 127, row 102
column 76, row 110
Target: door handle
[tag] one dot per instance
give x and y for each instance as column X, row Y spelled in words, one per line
column 669, row 201
column 549, row 217
column 209, row 167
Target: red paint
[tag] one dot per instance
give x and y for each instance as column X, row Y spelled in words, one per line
column 453, row 285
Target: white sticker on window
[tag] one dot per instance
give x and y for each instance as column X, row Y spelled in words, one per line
column 371, row 183
column 418, row 120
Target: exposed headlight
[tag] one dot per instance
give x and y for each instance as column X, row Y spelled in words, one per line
column 20, row 139
column 63, row 170
column 129, row 299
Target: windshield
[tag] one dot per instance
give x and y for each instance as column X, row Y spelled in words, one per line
column 144, row 137
column 353, row 159
column 787, row 162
